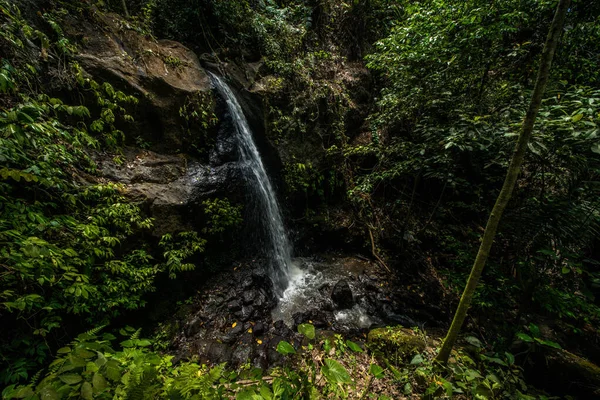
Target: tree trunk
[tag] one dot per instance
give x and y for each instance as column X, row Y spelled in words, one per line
column 125, row 8
column 509, row 182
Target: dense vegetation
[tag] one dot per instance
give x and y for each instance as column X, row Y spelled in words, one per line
column 394, row 121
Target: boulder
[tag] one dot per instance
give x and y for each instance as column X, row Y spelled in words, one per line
column 563, row 372
column 165, row 75
column 396, row 344
column 342, row 295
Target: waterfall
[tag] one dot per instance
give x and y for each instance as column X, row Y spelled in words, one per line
column 278, row 246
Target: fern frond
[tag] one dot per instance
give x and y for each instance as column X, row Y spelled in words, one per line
column 136, row 334
column 36, row 377
column 94, row 331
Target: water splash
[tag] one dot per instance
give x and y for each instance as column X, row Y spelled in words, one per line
column 278, row 246
column 310, row 288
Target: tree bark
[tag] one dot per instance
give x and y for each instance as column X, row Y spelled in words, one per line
column 509, row 182
column 125, row 8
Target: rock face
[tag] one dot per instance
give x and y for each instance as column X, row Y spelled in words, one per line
column 342, row 295
column 172, row 188
column 165, row 75
column 160, row 182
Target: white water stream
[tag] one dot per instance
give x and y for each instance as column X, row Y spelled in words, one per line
column 279, row 248
column 296, row 284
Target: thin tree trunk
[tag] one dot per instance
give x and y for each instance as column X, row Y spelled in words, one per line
column 125, row 8
column 509, row 183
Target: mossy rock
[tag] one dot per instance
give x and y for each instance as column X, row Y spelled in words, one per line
column 565, row 372
column 398, row 345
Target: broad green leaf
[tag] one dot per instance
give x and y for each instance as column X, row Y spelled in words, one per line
column 307, row 330
column 473, row 341
column 86, row 391
column 535, row 330
column 98, row 382
column 472, row 374
column 577, row 117
column 91, row 366
column 70, row 379
column 525, row 337
column 143, row 343
column 266, row 393
column 335, row 372
column 376, row 371
column 285, row 348
column 247, row 394
column 510, row 358
column 354, row 346
column 496, row 360
column 113, row 372
column 549, row 343
column 48, row 393
column 417, row 359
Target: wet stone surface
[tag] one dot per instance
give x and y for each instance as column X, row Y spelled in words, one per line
column 237, row 318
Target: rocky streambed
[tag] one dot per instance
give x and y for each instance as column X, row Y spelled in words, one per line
column 237, row 319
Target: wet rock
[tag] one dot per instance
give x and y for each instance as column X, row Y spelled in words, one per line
column 298, row 318
column 261, row 359
column 248, row 282
column 224, row 151
column 396, row 344
column 261, row 300
column 234, row 305
column 258, row 329
column 194, row 326
column 213, row 351
column 317, row 317
column 281, row 329
column 401, row 319
column 233, row 334
column 245, row 314
column 242, row 354
column 248, row 296
column 324, row 289
column 342, row 295
column 215, row 181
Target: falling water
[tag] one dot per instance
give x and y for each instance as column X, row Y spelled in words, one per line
column 278, row 245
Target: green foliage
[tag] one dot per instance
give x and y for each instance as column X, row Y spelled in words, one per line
column 111, row 104
column 303, row 179
column 69, row 240
column 285, row 348
column 173, row 62
column 199, row 118
column 178, row 248
column 221, row 215
column 90, row 368
column 62, row 241
column 534, row 337
column 308, row 330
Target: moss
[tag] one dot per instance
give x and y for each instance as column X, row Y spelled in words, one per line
column 582, row 369
column 396, row 344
